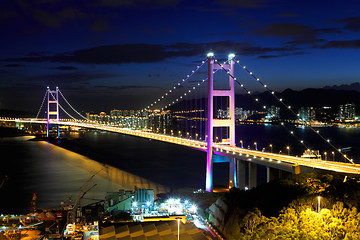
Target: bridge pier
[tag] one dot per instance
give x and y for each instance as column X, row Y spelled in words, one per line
column 252, row 175
column 232, row 173
column 272, row 174
column 241, row 174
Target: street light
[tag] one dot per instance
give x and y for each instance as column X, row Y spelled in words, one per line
column 333, row 155
column 178, row 222
column 325, row 154
column 241, row 143
column 255, row 146
column 288, row 148
column 270, row 147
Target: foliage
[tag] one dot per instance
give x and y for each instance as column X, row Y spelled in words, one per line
column 303, row 223
column 288, row 209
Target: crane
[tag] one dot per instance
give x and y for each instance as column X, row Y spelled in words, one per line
column 84, row 189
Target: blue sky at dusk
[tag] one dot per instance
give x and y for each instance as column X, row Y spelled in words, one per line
column 106, row 54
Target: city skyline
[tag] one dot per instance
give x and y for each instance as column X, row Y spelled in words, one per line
column 106, row 53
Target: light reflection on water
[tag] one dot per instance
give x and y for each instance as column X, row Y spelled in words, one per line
column 55, row 174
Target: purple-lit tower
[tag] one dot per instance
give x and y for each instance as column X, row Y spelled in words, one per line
column 52, row 109
column 213, row 123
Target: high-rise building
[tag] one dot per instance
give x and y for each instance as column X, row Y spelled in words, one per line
column 273, row 113
column 347, row 111
column 307, row 114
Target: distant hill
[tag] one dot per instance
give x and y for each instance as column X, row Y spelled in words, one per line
column 309, row 97
column 15, row 113
column 315, row 97
column 351, row 87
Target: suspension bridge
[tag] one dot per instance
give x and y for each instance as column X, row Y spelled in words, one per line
column 241, row 160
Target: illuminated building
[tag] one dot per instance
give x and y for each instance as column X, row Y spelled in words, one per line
column 273, row 113
column 307, row 114
column 347, row 112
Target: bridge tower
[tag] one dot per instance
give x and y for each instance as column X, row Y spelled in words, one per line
column 52, row 109
column 213, row 123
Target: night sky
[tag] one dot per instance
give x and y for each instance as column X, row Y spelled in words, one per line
column 106, row 54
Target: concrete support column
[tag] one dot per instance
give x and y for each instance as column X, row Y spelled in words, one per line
column 240, row 174
column 252, row 175
column 232, row 173
column 271, row 174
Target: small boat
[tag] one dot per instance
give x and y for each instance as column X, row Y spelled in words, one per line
column 311, row 154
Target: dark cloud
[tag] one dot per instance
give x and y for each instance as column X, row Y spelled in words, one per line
column 51, row 14
column 225, row 34
column 283, row 30
column 351, row 24
column 126, row 87
column 66, row 68
column 147, row 53
column 244, row 3
column 329, row 31
column 100, row 25
column 300, row 34
column 137, row 3
column 280, row 55
column 6, row 14
column 14, row 65
column 56, row 19
column 342, row 44
column 268, row 56
column 288, row 15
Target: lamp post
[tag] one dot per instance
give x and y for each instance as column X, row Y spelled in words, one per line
column 241, row 144
column 333, row 155
column 325, row 154
column 178, row 222
column 271, row 148
column 288, row 148
column 255, row 146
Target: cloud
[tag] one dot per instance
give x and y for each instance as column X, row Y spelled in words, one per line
column 126, row 87
column 100, row 25
column 351, row 23
column 341, row 44
column 280, row 55
column 137, row 3
column 14, row 65
column 283, row 30
column 148, row 53
column 288, row 15
column 298, row 33
column 244, row 3
column 56, row 19
column 66, row 68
